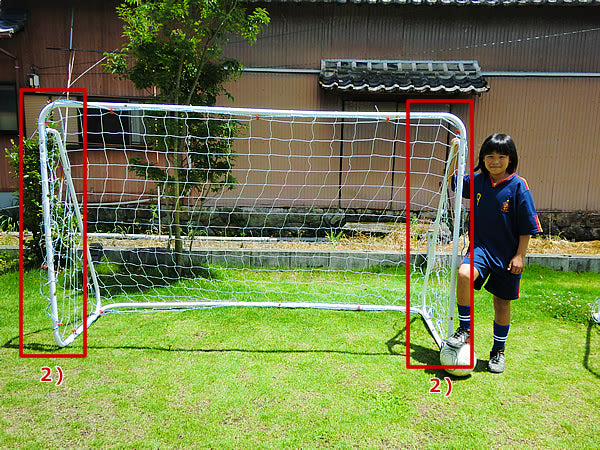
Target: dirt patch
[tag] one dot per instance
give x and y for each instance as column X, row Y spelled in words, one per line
column 395, row 241
column 555, row 246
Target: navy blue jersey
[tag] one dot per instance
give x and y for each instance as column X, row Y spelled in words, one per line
column 503, row 212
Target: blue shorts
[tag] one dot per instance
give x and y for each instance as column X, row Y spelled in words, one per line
column 500, row 282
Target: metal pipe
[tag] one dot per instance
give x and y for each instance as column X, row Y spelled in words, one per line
column 291, row 70
column 281, row 70
column 543, row 74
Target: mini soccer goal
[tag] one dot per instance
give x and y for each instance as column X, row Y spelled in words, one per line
column 182, row 207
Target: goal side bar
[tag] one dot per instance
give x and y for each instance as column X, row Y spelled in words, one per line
column 461, row 169
column 44, row 132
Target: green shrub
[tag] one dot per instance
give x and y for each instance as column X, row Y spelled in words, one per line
column 8, row 263
column 32, row 197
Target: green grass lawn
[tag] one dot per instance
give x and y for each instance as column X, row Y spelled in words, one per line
column 270, row 378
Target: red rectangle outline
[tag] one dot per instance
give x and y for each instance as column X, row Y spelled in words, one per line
column 471, row 104
column 83, row 93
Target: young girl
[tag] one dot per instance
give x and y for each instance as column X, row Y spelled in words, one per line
column 505, row 217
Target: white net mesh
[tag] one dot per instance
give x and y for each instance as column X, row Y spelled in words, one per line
column 192, row 207
column 595, row 311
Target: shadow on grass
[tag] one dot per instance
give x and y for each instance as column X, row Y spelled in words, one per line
column 398, row 339
column 124, row 278
column 419, row 353
column 592, row 328
column 13, row 343
column 55, row 349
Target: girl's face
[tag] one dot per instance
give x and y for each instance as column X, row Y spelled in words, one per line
column 496, row 164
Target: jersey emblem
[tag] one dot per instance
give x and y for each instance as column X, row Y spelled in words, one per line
column 505, row 206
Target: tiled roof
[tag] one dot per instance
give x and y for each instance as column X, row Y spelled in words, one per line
column 449, row 77
column 448, row 2
column 12, row 21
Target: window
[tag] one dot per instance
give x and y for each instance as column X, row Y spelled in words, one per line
column 114, row 128
column 107, row 128
column 8, row 109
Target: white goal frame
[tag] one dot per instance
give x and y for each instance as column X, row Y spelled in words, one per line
column 53, row 152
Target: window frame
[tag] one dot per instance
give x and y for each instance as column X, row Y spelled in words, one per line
column 15, row 130
column 96, row 126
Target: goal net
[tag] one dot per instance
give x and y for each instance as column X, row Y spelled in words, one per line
column 183, row 207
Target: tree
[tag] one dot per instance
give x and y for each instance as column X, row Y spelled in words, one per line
column 174, row 49
column 176, row 46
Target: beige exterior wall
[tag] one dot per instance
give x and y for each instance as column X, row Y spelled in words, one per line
column 554, row 120
column 555, row 124
column 517, row 38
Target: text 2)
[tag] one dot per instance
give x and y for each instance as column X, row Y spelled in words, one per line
column 47, row 375
column 436, row 387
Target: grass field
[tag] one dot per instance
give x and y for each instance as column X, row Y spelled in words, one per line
column 267, row 378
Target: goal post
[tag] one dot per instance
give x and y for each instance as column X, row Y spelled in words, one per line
column 190, row 207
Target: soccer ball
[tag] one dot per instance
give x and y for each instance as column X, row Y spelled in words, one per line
column 450, row 356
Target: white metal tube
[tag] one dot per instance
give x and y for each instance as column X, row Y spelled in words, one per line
column 251, row 112
column 233, row 112
column 67, row 168
column 462, row 157
column 43, row 149
column 227, row 303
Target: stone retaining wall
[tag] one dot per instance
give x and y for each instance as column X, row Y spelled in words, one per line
column 303, row 222
column 573, row 226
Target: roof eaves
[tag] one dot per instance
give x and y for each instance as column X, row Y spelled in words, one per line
column 11, row 22
column 447, row 2
column 395, row 76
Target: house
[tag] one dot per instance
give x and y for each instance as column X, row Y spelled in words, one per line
column 532, row 68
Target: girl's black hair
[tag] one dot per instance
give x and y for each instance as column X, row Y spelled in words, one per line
column 502, row 144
